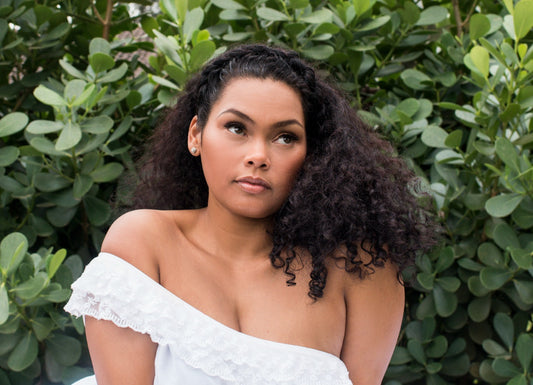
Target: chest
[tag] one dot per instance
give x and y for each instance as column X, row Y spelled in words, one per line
column 256, row 300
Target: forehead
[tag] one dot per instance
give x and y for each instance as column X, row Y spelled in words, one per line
column 259, row 96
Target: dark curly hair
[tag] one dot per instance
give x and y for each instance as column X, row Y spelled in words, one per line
column 351, row 194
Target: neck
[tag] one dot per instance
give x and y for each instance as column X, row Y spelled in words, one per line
column 234, row 237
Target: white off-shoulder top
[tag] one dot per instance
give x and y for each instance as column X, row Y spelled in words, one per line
column 193, row 348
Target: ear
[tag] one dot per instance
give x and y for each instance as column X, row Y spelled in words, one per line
column 194, row 138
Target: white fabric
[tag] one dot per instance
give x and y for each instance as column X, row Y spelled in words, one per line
column 193, row 347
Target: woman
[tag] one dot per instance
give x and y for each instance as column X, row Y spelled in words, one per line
column 278, row 227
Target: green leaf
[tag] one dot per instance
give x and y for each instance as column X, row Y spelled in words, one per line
column 524, row 350
column 507, row 153
column 193, row 22
column 505, row 237
column 512, row 111
column 97, row 210
column 432, row 15
column 84, row 96
column 73, row 89
column 61, row 216
column 408, row 106
column 426, row 280
column 415, row 79
column 122, row 128
column 374, row 24
column 504, row 368
column 71, row 70
column 8, row 155
column 4, row 303
column 503, row 204
column 201, row 53
column 55, row 261
column 446, row 258
column 101, row 62
column 169, row 7
column 494, row 348
column 24, row 353
column 445, row 302
column 416, row 350
column 48, row 182
column 107, row 173
column 479, row 308
column 480, row 58
column 450, row 284
column 454, row 139
column 82, row 185
column 99, row 45
column 519, row 379
column 13, row 248
column 228, row 4
column 525, row 290
column 523, row 258
column 523, row 18
column 48, row 97
column 42, row 326
column 434, row 136
column 69, row 137
column 32, row 287
column 509, row 5
column 114, row 75
column 493, row 277
column 479, row 26
column 44, row 126
column 523, row 217
column 12, row 123
column 98, row 125
column 319, row 52
column 437, row 347
column 318, row 17
column 503, row 324
column 490, row 255
column 55, row 293
column 66, row 350
column 271, row 14
column 45, row 146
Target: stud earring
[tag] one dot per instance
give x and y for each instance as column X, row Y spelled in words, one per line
column 194, row 150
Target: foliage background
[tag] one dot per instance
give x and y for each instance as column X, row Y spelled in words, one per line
column 448, row 82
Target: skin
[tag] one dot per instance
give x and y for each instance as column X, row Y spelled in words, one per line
column 216, row 258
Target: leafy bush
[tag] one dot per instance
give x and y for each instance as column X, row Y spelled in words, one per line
column 35, row 332
column 449, row 83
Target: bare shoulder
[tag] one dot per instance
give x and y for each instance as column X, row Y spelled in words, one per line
column 139, row 236
column 374, row 312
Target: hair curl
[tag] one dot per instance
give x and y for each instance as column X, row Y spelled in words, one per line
column 352, row 192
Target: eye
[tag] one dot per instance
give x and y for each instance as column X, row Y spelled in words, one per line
column 235, row 128
column 286, row 138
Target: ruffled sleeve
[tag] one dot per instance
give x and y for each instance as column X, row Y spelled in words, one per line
column 111, row 289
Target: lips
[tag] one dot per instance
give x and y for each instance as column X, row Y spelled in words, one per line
column 253, row 185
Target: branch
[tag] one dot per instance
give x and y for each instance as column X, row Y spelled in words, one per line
column 108, row 17
column 457, row 14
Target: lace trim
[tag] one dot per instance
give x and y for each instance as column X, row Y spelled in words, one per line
column 114, row 290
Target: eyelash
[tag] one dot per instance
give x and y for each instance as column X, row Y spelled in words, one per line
column 232, row 126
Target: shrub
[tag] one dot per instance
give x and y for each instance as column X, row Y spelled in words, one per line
column 448, row 83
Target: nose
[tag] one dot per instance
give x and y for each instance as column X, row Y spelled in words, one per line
column 257, row 155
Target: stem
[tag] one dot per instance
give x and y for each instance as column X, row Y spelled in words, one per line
column 108, row 17
column 458, row 20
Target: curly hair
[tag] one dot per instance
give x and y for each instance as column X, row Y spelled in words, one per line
column 351, row 194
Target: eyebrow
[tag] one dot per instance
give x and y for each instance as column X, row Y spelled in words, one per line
column 242, row 115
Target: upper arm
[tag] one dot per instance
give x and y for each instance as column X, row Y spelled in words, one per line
column 122, row 355
column 374, row 312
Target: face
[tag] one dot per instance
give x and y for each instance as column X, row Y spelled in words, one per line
column 252, row 146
